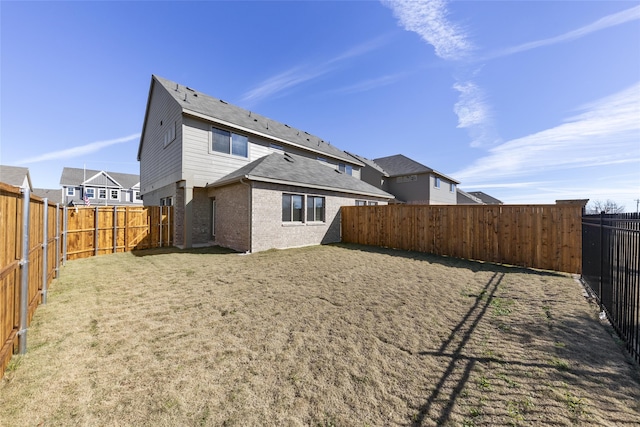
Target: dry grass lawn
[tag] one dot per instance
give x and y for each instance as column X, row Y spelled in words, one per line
column 334, row 335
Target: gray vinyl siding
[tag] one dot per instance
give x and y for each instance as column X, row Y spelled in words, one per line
column 442, row 195
column 161, row 165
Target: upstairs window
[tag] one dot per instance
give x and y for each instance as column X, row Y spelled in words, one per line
column 102, row 193
column 71, row 191
column 361, row 203
column 90, row 193
column 229, row 143
column 348, row 169
column 452, row 187
column 436, row 182
column 114, row 194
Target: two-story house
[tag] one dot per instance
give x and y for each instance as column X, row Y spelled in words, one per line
column 100, row 188
column 239, row 179
column 409, row 181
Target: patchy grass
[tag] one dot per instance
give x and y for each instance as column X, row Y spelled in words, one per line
column 334, row 335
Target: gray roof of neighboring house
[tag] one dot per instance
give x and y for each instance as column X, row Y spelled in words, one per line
column 464, row 198
column 14, row 175
column 369, row 163
column 291, row 169
column 220, row 111
column 54, row 195
column 77, row 176
column 399, row 165
column 486, row 198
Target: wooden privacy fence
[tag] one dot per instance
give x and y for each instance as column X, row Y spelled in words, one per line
column 37, row 236
column 538, row 236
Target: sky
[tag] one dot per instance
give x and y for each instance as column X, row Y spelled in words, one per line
column 528, row 101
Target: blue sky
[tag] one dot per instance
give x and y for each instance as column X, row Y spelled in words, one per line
column 528, row 101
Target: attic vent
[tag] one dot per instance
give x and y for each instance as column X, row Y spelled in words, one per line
column 287, row 125
column 188, row 88
column 337, row 171
column 288, row 157
column 195, row 94
column 224, row 102
column 307, row 133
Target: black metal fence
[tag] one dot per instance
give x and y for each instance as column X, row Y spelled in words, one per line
column 611, row 268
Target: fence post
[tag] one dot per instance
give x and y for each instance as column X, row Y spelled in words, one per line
column 45, row 250
column 95, row 234
column 601, row 259
column 115, row 229
column 65, row 227
column 24, row 276
column 161, row 209
column 57, row 240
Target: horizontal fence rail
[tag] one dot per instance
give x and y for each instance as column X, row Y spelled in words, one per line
column 611, row 268
column 36, row 237
column 538, row 236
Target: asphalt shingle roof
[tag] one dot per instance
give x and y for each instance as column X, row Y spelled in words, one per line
column 198, row 102
column 76, row 176
column 14, row 175
column 399, row 165
column 301, row 171
column 485, row 198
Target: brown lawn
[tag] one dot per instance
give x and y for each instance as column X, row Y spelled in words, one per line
column 334, row 335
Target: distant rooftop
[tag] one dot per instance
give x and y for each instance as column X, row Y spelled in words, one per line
column 399, row 165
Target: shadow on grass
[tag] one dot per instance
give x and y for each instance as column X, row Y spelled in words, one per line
column 209, row 250
column 472, row 265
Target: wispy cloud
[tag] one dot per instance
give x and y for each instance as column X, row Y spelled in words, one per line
column 601, row 24
column 606, row 132
column 370, row 84
column 429, row 20
column 303, row 73
column 78, row 151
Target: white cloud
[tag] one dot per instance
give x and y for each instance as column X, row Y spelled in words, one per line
column 601, row 24
column 429, row 20
column 370, row 84
column 301, row 74
column 78, row 151
column 605, row 133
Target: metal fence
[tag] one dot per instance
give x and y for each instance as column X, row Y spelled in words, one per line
column 611, row 268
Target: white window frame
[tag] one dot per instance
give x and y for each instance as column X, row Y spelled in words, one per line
column 361, row 203
column 71, row 191
column 452, row 187
column 91, row 191
column 436, row 182
column 100, row 197
column 111, row 191
column 136, row 195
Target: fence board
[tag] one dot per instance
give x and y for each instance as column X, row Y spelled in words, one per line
column 538, row 236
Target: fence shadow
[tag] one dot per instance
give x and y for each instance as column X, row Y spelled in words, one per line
column 209, row 250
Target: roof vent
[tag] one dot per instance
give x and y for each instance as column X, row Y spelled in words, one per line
column 288, row 157
column 177, row 87
column 224, row 102
column 188, row 88
column 185, row 97
column 287, row 125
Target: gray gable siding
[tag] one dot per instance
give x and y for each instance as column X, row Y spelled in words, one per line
column 160, row 165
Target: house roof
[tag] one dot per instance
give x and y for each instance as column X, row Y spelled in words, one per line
column 464, row 198
column 369, row 163
column 78, row 176
column 399, row 165
column 216, row 110
column 486, row 198
column 14, row 175
column 54, row 195
column 291, row 169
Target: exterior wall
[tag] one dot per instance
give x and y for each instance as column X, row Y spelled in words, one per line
column 442, row 195
column 232, row 216
column 420, row 189
column 201, row 225
column 268, row 231
column 160, row 164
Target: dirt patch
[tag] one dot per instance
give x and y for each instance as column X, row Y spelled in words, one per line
column 336, row 335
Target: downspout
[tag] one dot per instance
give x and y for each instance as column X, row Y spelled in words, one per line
column 249, row 203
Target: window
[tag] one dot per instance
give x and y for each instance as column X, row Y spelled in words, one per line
column 166, row 201
column 114, row 194
column 452, row 187
column 102, row 193
column 373, row 203
column 321, row 159
column 315, row 208
column 90, row 193
column 437, row 182
column 229, row 143
column 276, row 147
column 361, row 203
column 136, row 195
column 71, row 191
column 170, row 134
column 348, row 169
column 292, row 208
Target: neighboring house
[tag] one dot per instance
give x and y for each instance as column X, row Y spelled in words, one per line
column 239, row 179
column 485, row 198
column 53, row 195
column 464, row 198
column 410, row 181
column 101, row 188
column 16, row 176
